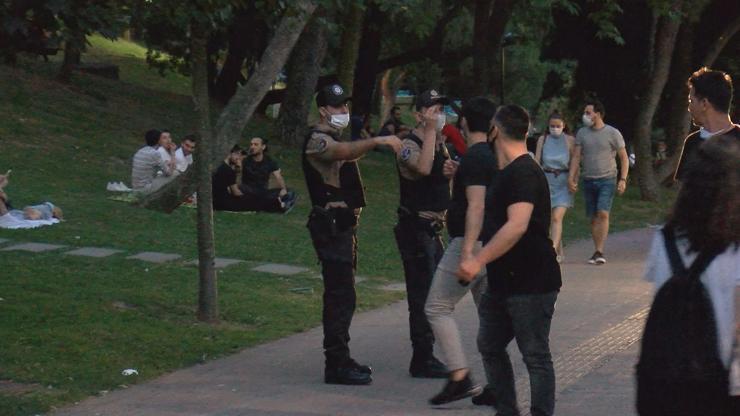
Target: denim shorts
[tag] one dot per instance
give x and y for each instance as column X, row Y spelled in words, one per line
column 599, row 194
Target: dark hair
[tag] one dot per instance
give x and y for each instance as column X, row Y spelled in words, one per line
column 478, row 113
column 394, row 108
column 152, row 137
column 513, row 120
column 598, row 106
column 238, row 149
column 264, row 142
column 707, row 210
column 192, row 137
column 715, row 86
column 556, row 115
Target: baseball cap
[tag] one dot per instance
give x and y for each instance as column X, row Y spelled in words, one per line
column 429, row 98
column 332, row 95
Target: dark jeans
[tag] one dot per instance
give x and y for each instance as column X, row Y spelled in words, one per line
column 525, row 318
column 337, row 252
column 259, row 199
column 421, row 250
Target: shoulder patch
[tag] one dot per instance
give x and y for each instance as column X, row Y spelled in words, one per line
column 405, row 153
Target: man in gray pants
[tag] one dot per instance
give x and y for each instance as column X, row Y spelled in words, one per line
column 464, row 221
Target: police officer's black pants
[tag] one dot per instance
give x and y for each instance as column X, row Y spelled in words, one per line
column 421, row 250
column 337, row 254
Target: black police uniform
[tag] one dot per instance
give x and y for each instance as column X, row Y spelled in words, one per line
column 333, row 233
column 420, row 244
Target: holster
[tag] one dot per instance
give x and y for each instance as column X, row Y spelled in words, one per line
column 333, row 233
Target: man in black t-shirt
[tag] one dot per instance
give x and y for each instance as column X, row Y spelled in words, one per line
column 523, row 273
column 464, row 220
column 257, row 170
column 226, row 193
column 710, row 99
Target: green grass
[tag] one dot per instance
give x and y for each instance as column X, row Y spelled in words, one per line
column 71, row 324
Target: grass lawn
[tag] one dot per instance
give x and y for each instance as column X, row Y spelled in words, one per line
column 71, row 324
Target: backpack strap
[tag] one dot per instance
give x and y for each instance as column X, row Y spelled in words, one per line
column 699, row 264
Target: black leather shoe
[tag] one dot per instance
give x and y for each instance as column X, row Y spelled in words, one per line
column 456, row 390
column 486, row 398
column 360, row 367
column 429, row 368
column 346, row 375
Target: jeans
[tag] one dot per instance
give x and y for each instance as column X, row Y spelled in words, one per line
column 525, row 318
column 444, row 294
column 421, row 250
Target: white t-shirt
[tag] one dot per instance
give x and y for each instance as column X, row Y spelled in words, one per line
column 181, row 161
column 165, row 154
column 720, row 279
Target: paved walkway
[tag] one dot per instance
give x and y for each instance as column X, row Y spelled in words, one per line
column 597, row 324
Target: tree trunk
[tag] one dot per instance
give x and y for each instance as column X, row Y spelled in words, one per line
column 303, row 69
column 500, row 16
column 350, row 46
column 367, row 61
column 665, row 43
column 72, row 56
column 237, row 113
column 390, row 82
column 231, row 72
column 208, row 279
column 481, row 67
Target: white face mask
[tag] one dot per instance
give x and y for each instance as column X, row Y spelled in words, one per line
column 441, row 120
column 587, row 120
column 339, row 121
column 556, row 131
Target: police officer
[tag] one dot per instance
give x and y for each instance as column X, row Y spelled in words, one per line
column 425, row 196
column 337, row 195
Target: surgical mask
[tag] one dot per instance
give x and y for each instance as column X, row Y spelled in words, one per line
column 339, row 121
column 587, row 120
column 556, row 131
column 441, row 120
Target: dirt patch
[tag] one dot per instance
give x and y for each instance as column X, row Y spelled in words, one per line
column 11, row 388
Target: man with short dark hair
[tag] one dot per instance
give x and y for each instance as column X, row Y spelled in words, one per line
column 257, row 169
column 337, row 196
column 393, row 125
column 226, row 193
column 472, row 176
column 184, row 154
column 425, row 197
column 597, row 145
column 710, row 99
column 147, row 165
column 523, row 273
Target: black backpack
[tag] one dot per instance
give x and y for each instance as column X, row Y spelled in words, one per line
column 679, row 371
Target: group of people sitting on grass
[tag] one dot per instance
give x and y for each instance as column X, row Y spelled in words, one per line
column 241, row 182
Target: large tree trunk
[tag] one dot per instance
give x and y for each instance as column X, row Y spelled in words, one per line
column 350, row 46
column 665, row 43
column 304, row 67
column 231, row 72
column 481, row 39
column 208, row 279
column 502, row 11
column 72, row 56
column 367, row 61
column 239, row 110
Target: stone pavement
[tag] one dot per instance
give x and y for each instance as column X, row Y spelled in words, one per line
column 595, row 333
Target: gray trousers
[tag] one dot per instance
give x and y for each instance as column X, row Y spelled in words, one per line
column 444, row 294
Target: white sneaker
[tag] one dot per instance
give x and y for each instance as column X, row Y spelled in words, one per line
column 110, row 187
column 122, row 187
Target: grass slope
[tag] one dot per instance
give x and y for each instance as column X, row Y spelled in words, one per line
column 71, row 324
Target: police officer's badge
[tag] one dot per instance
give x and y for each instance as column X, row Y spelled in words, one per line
column 337, row 90
column 405, row 153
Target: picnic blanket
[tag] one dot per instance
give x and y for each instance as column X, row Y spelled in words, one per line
column 14, row 220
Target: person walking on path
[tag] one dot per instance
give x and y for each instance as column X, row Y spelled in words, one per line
column 554, row 153
column 464, row 221
column 710, row 99
column 425, row 197
column 337, row 196
column 597, row 144
column 706, row 219
column 523, row 274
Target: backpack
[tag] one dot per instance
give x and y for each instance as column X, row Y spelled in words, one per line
column 679, row 371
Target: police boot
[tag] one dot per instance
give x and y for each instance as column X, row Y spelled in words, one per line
column 348, row 375
column 427, row 366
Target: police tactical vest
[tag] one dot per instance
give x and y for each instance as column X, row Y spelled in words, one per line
column 429, row 193
column 350, row 191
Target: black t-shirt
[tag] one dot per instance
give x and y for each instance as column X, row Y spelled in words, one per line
column 530, row 266
column 477, row 167
column 691, row 145
column 257, row 174
column 224, row 177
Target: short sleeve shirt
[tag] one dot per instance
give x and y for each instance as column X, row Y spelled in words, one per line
column 530, row 266
column 408, row 158
column 477, row 167
column 257, row 174
column 224, row 177
column 691, row 146
column 315, row 148
column 147, row 162
column 599, row 149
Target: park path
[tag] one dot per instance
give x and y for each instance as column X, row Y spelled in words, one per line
column 595, row 333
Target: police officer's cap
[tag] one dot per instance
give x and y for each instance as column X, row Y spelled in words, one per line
column 331, row 95
column 429, row 98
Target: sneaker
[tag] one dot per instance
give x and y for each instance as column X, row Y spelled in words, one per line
column 347, row 376
column 597, row 258
column 485, row 398
column 366, row 369
column 456, row 390
column 288, row 204
column 429, row 368
column 110, row 187
column 122, row 187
